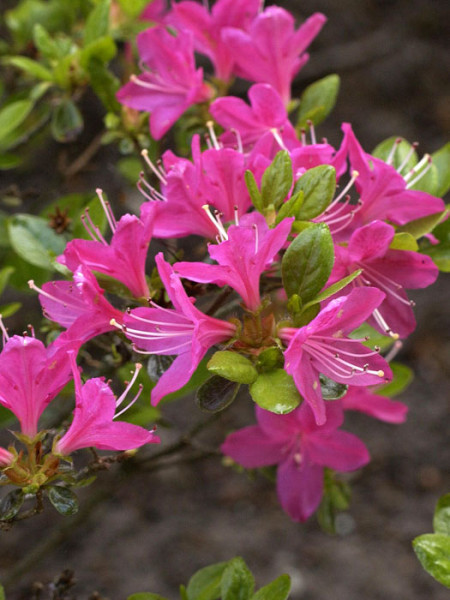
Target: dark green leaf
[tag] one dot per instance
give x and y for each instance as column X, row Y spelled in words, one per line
column 291, row 207
column 253, row 190
column 205, row 584
column 104, row 84
column 11, row 504
column 216, row 394
column 441, row 520
column 232, row 366
column 276, row 590
column 12, row 115
column 5, row 274
column 67, row 122
column 276, row 181
column 237, row 581
column 157, row 365
column 63, row 499
column 34, row 241
column 308, row 261
column 331, row 390
column 402, row 377
column 9, row 161
column 318, row 186
column 317, row 101
column 275, row 391
column 433, row 551
column 97, row 24
column 32, row 67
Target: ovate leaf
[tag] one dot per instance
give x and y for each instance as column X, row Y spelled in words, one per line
column 317, row 101
column 441, row 521
column 318, row 186
column 205, row 584
column 232, row 366
column 237, row 581
column 277, row 590
column 63, row 499
column 433, row 551
column 275, row 391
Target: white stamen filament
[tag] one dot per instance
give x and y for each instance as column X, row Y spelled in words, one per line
column 421, row 174
column 92, row 230
column 312, row 132
column 382, row 323
column 130, row 404
column 165, row 323
column 215, row 220
column 107, row 209
column 395, row 145
column 335, row 363
column 377, row 278
column 41, row 292
column 393, row 351
column 240, row 147
column 3, row 330
column 158, row 172
column 212, row 134
column 165, row 351
column 278, row 139
column 158, row 88
column 122, row 397
column 236, row 214
column 255, row 229
column 404, row 162
column 420, row 165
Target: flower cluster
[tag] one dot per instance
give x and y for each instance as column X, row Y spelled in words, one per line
column 308, row 249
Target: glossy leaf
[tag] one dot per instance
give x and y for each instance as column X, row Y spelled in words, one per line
column 253, row 190
column 63, row 499
column 216, row 394
column 441, row 520
column 31, row 67
column 237, row 582
column 422, row 226
column 317, row 101
column 402, row 377
column 67, row 122
column 276, row 590
column 12, row 115
column 433, row 551
column 318, row 186
column 308, row 262
column 205, row 584
column 441, row 160
column 275, row 391
column 11, row 504
column 232, row 366
column 276, row 181
column 333, row 289
column 331, row 390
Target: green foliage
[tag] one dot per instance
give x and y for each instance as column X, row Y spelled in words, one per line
column 276, row 181
column 232, row 366
column 275, row 391
column 67, row 121
column 336, row 498
column 402, row 377
column 11, row 504
column 402, row 151
column 421, row 227
column 237, row 581
column 318, row 186
column 441, row 160
column 331, row 390
column 404, row 241
column 277, row 590
column 205, row 584
column 317, row 101
column 216, row 394
column 441, row 520
column 11, row 116
column 440, row 253
column 308, row 261
column 63, row 500
column 97, row 24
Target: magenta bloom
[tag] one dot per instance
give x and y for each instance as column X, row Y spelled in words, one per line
column 389, row 270
column 31, row 375
column 93, row 420
column 301, row 448
column 170, row 85
column 266, row 115
column 182, row 331
column 249, row 250
column 271, row 51
column 207, row 28
column 123, row 258
column 384, row 192
column 379, row 407
column 323, row 346
column 215, row 176
column 80, row 306
column 156, row 11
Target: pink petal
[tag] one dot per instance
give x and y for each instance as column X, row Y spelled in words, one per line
column 252, row 448
column 299, row 488
column 338, row 450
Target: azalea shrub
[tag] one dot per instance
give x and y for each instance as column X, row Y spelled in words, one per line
column 262, row 261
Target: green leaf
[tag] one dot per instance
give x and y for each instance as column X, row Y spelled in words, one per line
column 317, row 101
column 29, row 66
column 440, row 255
column 402, row 377
column 11, row 504
column 5, row 274
column 402, row 150
column 44, row 43
column 336, row 498
column 9, row 161
column 333, row 289
column 331, row 390
column 429, row 181
column 318, row 186
column 441, row 520
column 237, row 581
column 232, row 366
column 276, row 181
column 2, row 593
column 67, row 121
column 145, row 596
column 97, row 24
column 101, row 50
column 308, row 262
column 433, row 551
column 275, row 391
column 13, row 115
column 441, row 160
column 63, row 499
column 7, row 310
column 277, row 590
column 253, row 190
column 216, row 394
column 422, row 226
column 404, row 241
column 34, row 241
column 291, row 207
column 104, row 84
column 205, row 584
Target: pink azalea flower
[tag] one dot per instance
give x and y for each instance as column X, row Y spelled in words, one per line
column 266, row 116
column 31, row 375
column 247, row 251
column 182, row 331
column 6, row 457
column 379, row 407
column 170, row 85
column 389, row 270
column 301, row 448
column 93, row 419
column 207, row 28
column 323, row 346
column 156, row 11
column 80, row 306
column 271, row 51
column 384, row 193
column 123, row 258
column 215, row 176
